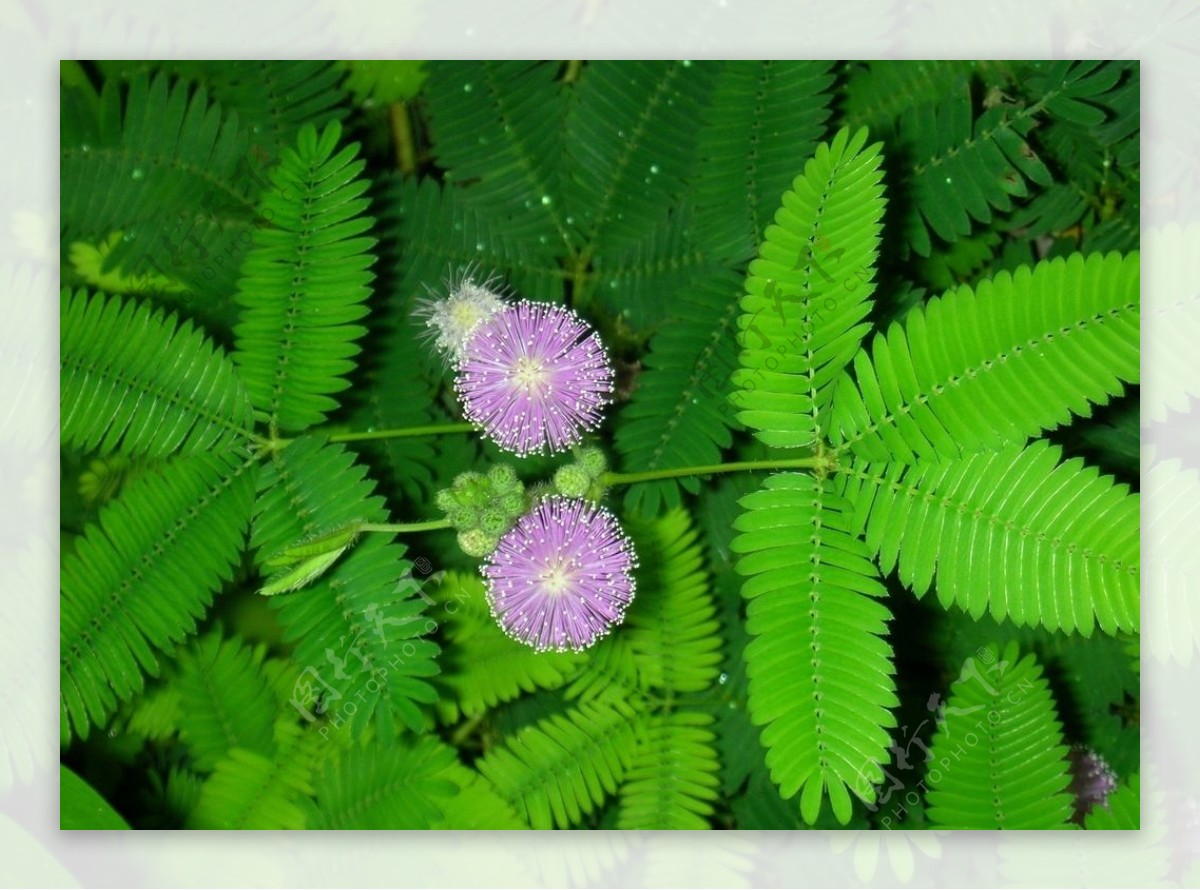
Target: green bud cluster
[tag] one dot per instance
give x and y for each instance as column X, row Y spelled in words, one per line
column 581, row 479
column 482, row 507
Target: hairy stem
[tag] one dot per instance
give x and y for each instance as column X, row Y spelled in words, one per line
column 406, row 152
column 799, row 463
column 435, row 429
column 464, row 731
column 402, row 527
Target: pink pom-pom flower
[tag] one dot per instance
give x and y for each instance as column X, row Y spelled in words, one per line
column 562, row 577
column 534, row 377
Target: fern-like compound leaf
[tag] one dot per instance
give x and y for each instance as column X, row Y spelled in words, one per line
column 980, row 368
column 1077, row 91
column 136, row 381
column 563, row 767
column 679, row 415
column 672, row 626
column 1015, row 533
column 395, row 393
column 249, row 790
column 497, row 129
column 305, row 281
column 376, row 786
column 630, row 139
column 819, row 666
column 475, row 804
column 445, row 237
column 762, row 117
column 482, row 666
column 359, row 629
column 880, row 92
column 272, row 99
column 166, row 168
column 225, row 701
column 998, row 759
column 808, row 292
column 965, row 166
column 672, row 781
column 141, row 577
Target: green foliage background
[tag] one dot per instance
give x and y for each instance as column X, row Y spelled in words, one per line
column 923, row 275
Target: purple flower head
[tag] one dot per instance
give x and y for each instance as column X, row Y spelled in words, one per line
column 1092, row 780
column 535, row 377
column 562, row 577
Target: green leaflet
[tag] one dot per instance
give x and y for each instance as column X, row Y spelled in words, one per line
column 81, row 806
column 963, row 168
column 253, row 791
column 979, row 368
column 560, row 769
column 763, row 115
column 762, row 118
column 672, row 781
column 819, row 667
column 167, row 169
column 1014, row 533
column 272, row 100
column 119, row 395
column 359, row 629
column 397, row 392
column 143, row 575
column 880, row 92
column 677, row 415
column 304, row 282
column 225, row 701
column 475, row 803
column 672, row 627
column 998, row 759
column 808, row 292
column 377, row 786
column 303, row 563
column 375, row 81
column 505, row 141
column 448, row 236
column 630, row 134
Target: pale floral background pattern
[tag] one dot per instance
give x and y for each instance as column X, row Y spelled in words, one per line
column 1164, row 34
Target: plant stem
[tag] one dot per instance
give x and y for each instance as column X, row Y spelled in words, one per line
column 406, row 153
column 435, row 429
column 799, row 463
column 406, row 527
